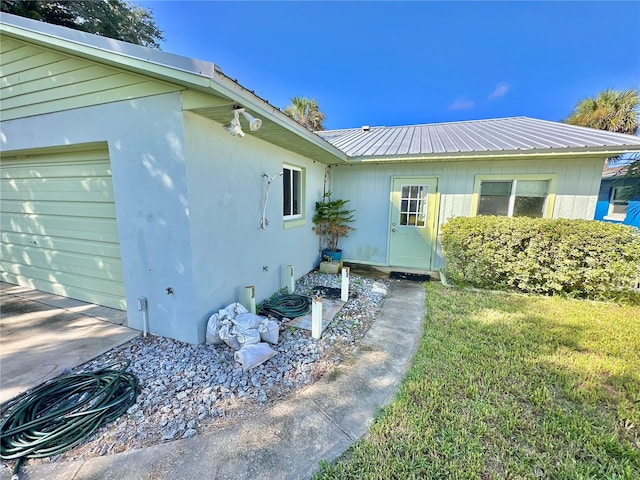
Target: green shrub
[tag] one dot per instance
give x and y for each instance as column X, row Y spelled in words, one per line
column 580, row 258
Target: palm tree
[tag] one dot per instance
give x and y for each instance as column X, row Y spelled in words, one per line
column 615, row 111
column 306, row 112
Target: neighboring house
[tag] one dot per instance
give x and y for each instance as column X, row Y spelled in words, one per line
column 121, row 181
column 614, row 202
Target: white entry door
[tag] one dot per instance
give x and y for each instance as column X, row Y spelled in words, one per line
column 413, row 222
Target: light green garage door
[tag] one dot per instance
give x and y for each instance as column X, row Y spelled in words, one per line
column 58, row 228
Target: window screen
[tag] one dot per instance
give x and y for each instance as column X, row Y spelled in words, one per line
column 513, row 198
column 494, row 198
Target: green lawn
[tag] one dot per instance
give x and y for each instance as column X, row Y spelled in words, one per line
column 511, row 386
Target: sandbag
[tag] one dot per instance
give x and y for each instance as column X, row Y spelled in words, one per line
column 269, row 331
column 213, row 330
column 254, row 354
column 228, row 336
column 246, row 321
column 235, row 309
column 246, row 337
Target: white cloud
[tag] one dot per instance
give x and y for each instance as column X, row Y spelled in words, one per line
column 462, row 104
column 500, row 91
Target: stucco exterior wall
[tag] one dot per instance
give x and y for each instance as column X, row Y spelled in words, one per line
column 226, row 194
column 367, row 186
column 189, row 200
column 146, row 149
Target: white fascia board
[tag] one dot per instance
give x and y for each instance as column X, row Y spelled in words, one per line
column 96, row 47
column 586, row 152
column 233, row 90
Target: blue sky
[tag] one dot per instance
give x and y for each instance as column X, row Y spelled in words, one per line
column 400, row 63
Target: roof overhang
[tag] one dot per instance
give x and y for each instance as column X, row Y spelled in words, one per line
column 587, row 152
column 204, row 77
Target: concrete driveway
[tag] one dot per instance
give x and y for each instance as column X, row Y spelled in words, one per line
column 42, row 334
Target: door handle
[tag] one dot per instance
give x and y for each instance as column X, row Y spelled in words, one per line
column 393, row 229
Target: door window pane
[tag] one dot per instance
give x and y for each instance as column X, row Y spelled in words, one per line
column 413, row 206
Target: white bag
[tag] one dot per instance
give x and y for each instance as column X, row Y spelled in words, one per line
column 247, row 321
column 213, row 330
column 253, row 355
column 235, row 309
column 246, row 337
column 228, row 336
column 269, row 331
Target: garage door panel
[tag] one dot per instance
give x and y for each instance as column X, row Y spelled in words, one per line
column 62, row 284
column 90, row 209
column 58, row 225
column 84, row 228
column 39, row 170
column 74, row 263
column 63, row 279
column 99, row 249
column 67, row 189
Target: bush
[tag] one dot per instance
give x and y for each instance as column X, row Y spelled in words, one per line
column 580, row 258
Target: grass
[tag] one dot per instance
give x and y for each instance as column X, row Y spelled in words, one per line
column 510, row 386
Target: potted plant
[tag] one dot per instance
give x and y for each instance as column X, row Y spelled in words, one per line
column 331, row 221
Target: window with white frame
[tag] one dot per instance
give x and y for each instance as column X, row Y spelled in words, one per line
column 513, row 197
column 292, row 192
column 618, row 203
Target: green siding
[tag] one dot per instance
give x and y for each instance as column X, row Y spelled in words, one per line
column 368, row 189
column 35, row 81
column 58, row 225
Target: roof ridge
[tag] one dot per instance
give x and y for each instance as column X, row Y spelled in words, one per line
column 454, row 122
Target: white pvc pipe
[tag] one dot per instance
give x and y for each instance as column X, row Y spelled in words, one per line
column 290, row 279
column 344, row 291
column 145, row 322
column 250, row 298
column 142, row 307
column 316, row 318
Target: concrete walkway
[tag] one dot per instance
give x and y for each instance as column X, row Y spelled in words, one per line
column 42, row 334
column 287, row 440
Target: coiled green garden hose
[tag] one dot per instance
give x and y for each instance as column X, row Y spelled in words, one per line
column 289, row 305
column 59, row 414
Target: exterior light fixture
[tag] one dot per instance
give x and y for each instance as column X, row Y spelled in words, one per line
column 234, row 128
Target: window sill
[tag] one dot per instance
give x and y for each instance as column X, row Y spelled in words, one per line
column 614, row 219
column 294, row 223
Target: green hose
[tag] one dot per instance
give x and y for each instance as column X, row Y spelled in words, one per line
column 289, row 305
column 59, row 414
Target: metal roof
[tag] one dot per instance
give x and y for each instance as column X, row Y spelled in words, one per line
column 500, row 135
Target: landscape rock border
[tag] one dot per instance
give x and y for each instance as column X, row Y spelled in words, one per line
column 190, row 389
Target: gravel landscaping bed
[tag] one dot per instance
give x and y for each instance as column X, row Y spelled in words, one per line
column 188, row 389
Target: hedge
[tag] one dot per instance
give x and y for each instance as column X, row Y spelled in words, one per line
column 580, row 258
